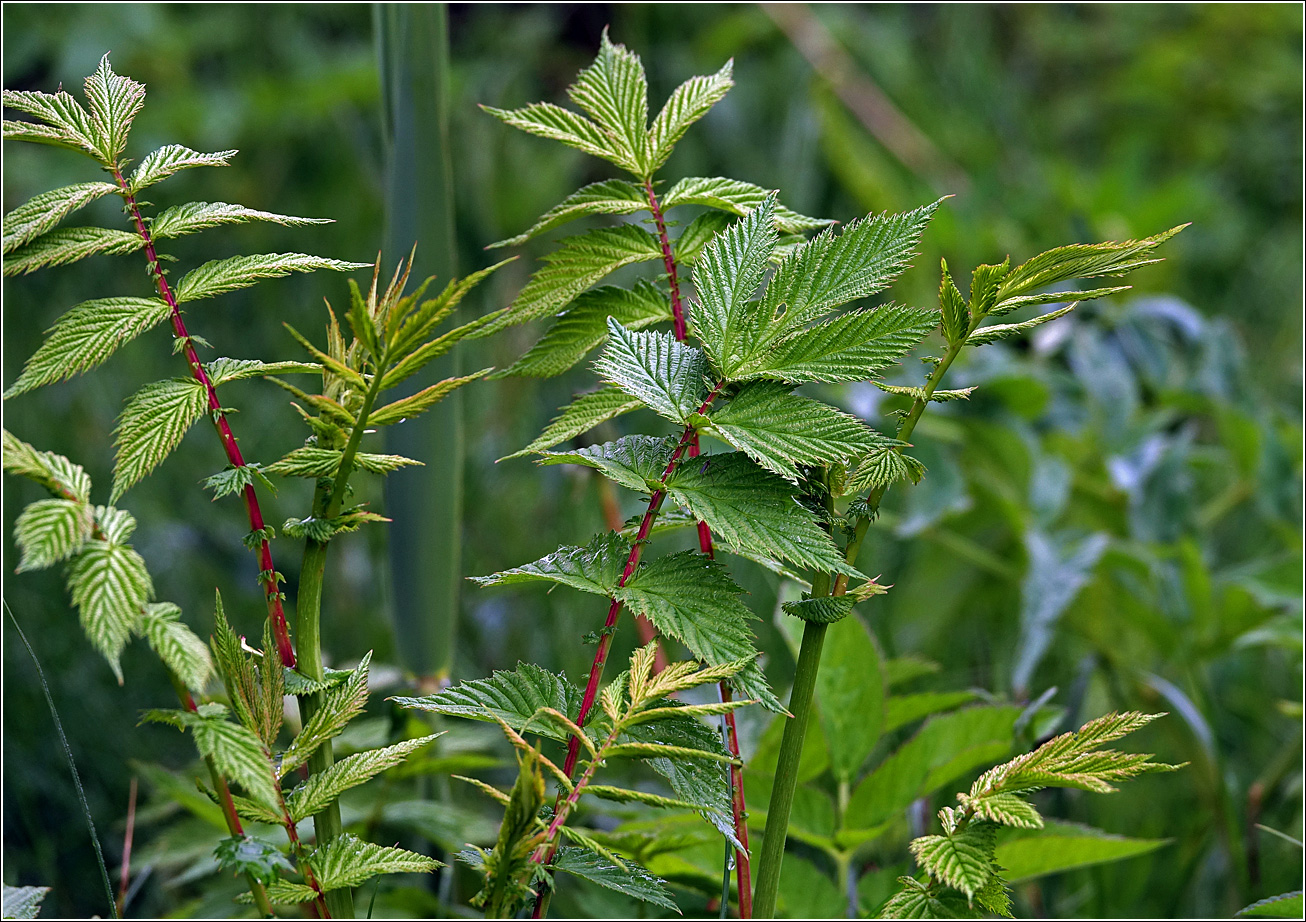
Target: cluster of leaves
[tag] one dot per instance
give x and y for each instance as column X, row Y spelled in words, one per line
column 963, row 875
column 638, row 719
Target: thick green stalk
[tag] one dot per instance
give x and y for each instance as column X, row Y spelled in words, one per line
column 426, row 505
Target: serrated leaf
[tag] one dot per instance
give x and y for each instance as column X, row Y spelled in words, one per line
column 225, row 370
column 223, row 275
column 738, row 198
column 882, row 467
column 109, row 585
column 701, row 231
column 340, row 705
column 633, row 461
column 665, row 375
column 43, row 212
column 23, row 902
column 235, row 479
column 152, row 425
column 918, row 393
column 1053, row 297
column 580, row 416
column 726, row 277
column 176, row 644
column 51, row 530
column 687, row 104
column 1284, row 906
column 261, row 860
column 633, row 880
column 578, row 263
column 558, row 124
column 67, row 123
column 585, row 326
column 1064, row 846
column 115, row 525
column 698, row 781
column 513, row 697
column 196, row 216
column 984, row 281
column 614, row 92
column 54, row 472
column 991, row 334
column 282, row 893
column 994, row 896
column 299, row 685
column 917, row 901
column 417, row 404
column 347, row 861
column 238, row 754
column 173, row 158
column 594, row 568
column 113, row 101
column 1082, row 261
column 747, row 506
column 612, row 196
column 86, row 336
column 323, row 788
column 325, row 462
column 824, row 610
column 780, row 430
column 66, row 245
column 851, row 347
column 956, row 315
column 691, row 597
column 963, row 861
column 1004, row 809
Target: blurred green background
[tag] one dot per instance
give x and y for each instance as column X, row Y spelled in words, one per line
column 1147, row 453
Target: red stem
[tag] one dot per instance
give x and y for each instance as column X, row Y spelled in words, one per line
column 127, row 847
column 268, row 572
column 677, row 308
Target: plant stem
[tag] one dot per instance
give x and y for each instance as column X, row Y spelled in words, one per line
column 612, row 515
column 267, row 576
column 125, row 875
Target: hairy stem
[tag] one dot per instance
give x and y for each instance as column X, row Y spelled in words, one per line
column 267, row 574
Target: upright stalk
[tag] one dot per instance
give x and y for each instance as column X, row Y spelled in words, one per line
column 267, row 572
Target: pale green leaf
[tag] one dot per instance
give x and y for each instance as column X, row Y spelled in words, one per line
column 325, row 462
column 998, row 331
column 43, row 212
column 612, row 196
column 1082, row 261
column 701, row 231
column 580, row 416
column 340, row 705
column 558, row 124
column 667, row 376
column 196, row 216
column 916, row 901
column 67, row 123
column 579, row 263
column 1004, row 809
column 225, row 370
column 113, row 101
column 747, row 506
column 614, row 92
column 323, row 788
column 54, row 472
column 918, row 393
column 51, row 530
column 282, row 893
column 172, row 158
column 238, row 754
column 68, row 244
column 882, row 467
column 687, row 104
column 963, row 860
column 593, row 568
column 780, row 430
column 176, row 644
column 636, row 462
column 956, row 315
column 347, row 861
column 152, row 425
column 513, row 697
column 1054, row 297
column 86, row 336
column 633, row 880
column 109, row 586
column 850, row 689
column 23, row 902
column 1062, row 847
column 585, row 326
column 738, row 198
column 417, row 404
column 223, row 275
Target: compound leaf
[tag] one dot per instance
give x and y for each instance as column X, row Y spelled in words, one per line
column 196, row 216
column 173, row 158
column 324, row 787
column 109, row 585
column 665, row 375
column 43, row 212
column 636, row 462
column 223, row 275
column 347, row 861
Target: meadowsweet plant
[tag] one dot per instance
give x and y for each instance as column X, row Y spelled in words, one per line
column 394, row 336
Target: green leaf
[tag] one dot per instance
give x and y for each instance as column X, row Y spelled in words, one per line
column 991, row 334
column 223, row 275
column 176, row 644
column 956, row 316
column 417, row 404
column 341, row 704
column 687, row 104
column 66, row 245
column 23, row 902
column 173, row 158
column 667, row 376
column 691, row 597
column 113, row 102
column 115, row 525
column 881, row 467
column 627, row 796
column 824, row 610
column 633, row 880
column 67, row 123
column 50, row 530
column 1082, row 261
column 963, row 860
column 1054, row 297
column 578, row 264
column 747, row 506
column 612, row 196
column 109, row 585
column 54, row 472
column 699, row 781
column 196, row 216
column 556, row 123
column 1283, row 906
column 1004, row 809
column 234, row 480
column 585, row 326
column 851, row 347
column 283, row 893
column 636, row 462
column 918, row 901
column 1065, row 846
column 259, row 859
column 726, row 277
column 594, row 568
column 513, row 697
column 850, row 688
column 780, row 430
column 325, row 462
column 737, row 198
column 86, row 336
column 701, row 231
column 984, row 281
column 582, row 415
column 994, row 896
column 834, row 269
column 901, row 710
column 323, row 788
column 237, row 753
column 918, row 393
column 225, row 370
column 614, row 92
column 152, row 425
column 347, row 861
column 43, row 212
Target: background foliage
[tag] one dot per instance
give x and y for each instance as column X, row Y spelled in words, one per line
column 1122, row 523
